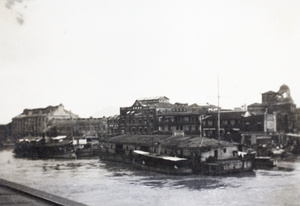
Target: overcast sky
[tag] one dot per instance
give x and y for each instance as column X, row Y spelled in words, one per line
column 97, row 56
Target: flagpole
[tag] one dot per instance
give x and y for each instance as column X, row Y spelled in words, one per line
column 218, row 111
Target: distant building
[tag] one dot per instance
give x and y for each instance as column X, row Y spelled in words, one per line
column 158, row 116
column 141, row 117
column 278, row 106
column 113, row 125
column 35, row 122
column 170, row 122
column 298, row 121
column 78, row 127
column 230, row 125
column 184, row 117
column 5, row 133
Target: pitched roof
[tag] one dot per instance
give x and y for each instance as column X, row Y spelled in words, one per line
column 152, row 98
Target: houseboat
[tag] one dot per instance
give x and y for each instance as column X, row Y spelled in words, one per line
column 59, row 147
column 168, row 153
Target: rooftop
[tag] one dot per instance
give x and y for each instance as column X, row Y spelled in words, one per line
column 187, row 141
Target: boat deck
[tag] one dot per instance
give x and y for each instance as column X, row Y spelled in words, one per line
column 16, row 194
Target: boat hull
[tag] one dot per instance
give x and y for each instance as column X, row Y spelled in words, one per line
column 45, row 150
column 264, row 163
column 157, row 164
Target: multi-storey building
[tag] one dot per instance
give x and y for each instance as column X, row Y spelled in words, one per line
column 178, row 121
column 185, row 118
column 278, row 106
column 113, row 125
column 141, row 117
column 230, row 125
column 159, row 116
column 79, row 127
column 36, row 122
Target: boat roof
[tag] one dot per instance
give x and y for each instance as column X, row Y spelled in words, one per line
column 59, row 137
column 263, row 158
column 179, row 141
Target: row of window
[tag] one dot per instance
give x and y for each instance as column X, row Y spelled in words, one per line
column 223, row 122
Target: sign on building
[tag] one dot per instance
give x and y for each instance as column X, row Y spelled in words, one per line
column 270, row 123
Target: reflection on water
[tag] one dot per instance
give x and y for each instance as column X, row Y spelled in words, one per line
column 94, row 182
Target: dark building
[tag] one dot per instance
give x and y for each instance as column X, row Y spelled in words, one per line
column 281, row 106
column 5, row 133
column 230, row 125
column 298, row 120
column 178, row 121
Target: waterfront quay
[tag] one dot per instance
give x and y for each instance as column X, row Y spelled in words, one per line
column 15, row 194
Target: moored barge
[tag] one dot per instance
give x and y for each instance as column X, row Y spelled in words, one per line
column 163, row 153
column 60, row 147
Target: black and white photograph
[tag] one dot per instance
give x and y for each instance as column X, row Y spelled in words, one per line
column 150, row 102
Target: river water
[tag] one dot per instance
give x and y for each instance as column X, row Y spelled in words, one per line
column 93, row 182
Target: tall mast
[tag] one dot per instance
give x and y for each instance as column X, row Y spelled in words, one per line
column 218, row 111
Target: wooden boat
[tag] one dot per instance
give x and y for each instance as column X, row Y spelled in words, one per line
column 161, row 164
column 59, row 147
column 87, row 146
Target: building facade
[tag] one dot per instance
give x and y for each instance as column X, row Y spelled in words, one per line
column 5, row 133
column 280, row 107
column 159, row 116
column 113, row 125
column 230, row 125
column 78, row 127
column 36, row 122
column 141, row 117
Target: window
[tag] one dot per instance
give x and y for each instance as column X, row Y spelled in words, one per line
column 224, row 150
column 235, row 153
column 216, row 153
column 224, row 122
column 232, row 122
